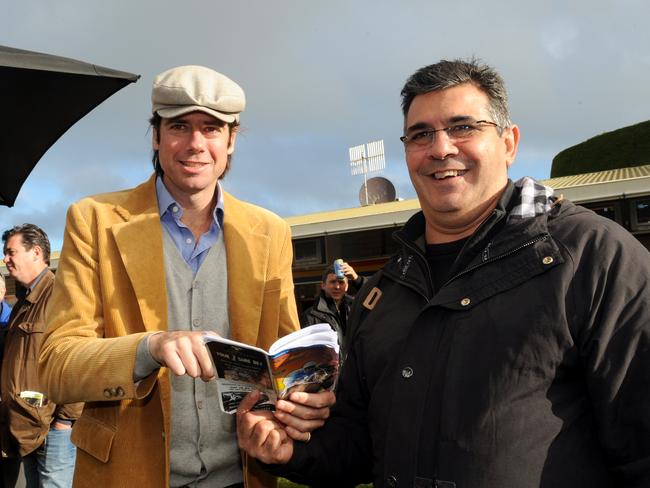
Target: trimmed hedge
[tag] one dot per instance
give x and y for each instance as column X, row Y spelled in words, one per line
column 621, row 148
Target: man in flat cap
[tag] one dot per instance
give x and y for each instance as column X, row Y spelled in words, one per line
column 143, row 274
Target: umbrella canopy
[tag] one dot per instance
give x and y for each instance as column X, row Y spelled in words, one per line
column 44, row 96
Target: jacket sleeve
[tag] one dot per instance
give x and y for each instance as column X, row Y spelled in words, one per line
column 69, row 411
column 357, row 284
column 77, row 363
column 611, row 291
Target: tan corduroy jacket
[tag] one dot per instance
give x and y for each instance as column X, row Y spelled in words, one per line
column 110, row 291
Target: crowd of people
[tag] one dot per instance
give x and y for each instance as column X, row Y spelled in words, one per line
column 506, row 344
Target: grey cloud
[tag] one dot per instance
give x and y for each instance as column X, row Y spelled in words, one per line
column 323, row 76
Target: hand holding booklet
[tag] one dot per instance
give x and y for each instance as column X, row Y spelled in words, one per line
column 305, row 360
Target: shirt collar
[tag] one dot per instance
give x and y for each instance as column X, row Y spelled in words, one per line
column 24, row 292
column 166, row 200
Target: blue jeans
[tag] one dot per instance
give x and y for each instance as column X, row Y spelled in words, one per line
column 52, row 464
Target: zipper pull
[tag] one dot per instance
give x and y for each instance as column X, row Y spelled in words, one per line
column 407, row 265
column 486, row 252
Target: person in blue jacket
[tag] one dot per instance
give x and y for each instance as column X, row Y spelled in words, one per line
column 5, row 308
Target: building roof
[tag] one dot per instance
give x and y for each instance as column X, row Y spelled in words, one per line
column 619, row 174
column 357, row 218
column 603, row 185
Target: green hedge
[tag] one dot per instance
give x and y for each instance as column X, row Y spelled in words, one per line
column 621, row 148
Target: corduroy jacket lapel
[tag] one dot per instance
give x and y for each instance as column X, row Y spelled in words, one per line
column 139, row 242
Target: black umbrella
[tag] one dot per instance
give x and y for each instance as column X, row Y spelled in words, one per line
column 44, row 96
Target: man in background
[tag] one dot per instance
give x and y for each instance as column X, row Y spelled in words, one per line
column 332, row 304
column 5, row 313
column 32, row 427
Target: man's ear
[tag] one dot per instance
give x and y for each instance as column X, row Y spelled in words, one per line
column 231, row 140
column 38, row 252
column 511, row 140
column 154, row 139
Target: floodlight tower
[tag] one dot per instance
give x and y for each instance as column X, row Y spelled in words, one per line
column 367, row 158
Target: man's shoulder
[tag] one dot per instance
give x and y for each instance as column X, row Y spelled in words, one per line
column 251, row 211
column 138, row 196
column 571, row 219
column 43, row 289
column 308, row 311
column 315, row 315
column 578, row 229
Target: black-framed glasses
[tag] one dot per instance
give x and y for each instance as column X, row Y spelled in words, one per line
column 455, row 133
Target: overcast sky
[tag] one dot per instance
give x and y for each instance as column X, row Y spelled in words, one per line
column 323, row 76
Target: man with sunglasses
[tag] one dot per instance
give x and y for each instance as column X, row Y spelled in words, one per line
column 507, row 344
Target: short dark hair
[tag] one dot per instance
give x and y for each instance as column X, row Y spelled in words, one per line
column 328, row 271
column 154, row 123
column 31, row 235
column 446, row 74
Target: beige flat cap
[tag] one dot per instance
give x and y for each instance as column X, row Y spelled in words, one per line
column 188, row 89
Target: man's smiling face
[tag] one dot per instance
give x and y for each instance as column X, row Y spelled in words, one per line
column 458, row 182
column 193, row 150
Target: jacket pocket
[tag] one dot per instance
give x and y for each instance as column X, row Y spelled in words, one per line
column 269, row 314
column 25, row 342
column 271, row 304
column 28, row 424
column 32, row 327
column 93, row 437
column 273, row 285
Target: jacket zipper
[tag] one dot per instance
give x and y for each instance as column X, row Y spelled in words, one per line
column 488, row 260
column 415, row 251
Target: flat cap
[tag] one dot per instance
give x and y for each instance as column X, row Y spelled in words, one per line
column 186, row 89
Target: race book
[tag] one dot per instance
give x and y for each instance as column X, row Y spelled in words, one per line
column 305, row 360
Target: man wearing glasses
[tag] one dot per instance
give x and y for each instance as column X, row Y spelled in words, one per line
column 507, row 344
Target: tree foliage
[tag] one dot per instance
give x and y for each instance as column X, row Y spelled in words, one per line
column 621, row 148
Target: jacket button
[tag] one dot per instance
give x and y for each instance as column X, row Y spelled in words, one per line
column 391, row 481
column 113, row 392
column 547, row 260
column 465, row 301
column 407, row 372
column 120, row 391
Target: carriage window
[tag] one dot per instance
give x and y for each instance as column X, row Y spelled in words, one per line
column 308, row 251
column 641, row 213
column 609, row 210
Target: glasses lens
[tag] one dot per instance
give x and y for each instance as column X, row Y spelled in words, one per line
column 418, row 140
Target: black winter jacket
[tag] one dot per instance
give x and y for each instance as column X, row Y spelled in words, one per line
column 324, row 311
column 529, row 368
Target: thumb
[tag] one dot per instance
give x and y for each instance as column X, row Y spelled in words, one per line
column 248, row 402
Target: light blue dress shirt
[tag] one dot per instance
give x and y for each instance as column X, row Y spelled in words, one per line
column 170, row 217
